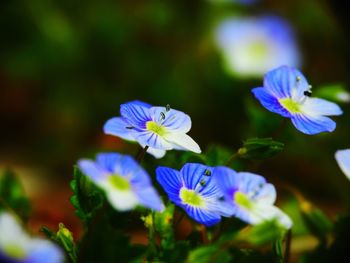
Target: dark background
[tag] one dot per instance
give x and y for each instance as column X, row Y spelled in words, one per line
column 66, row 66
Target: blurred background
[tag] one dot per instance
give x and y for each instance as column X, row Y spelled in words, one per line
column 66, row 66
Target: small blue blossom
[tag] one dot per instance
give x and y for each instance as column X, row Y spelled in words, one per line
column 287, row 92
column 250, row 195
column 159, row 128
column 124, row 181
column 193, row 189
column 16, row 246
column 343, row 159
column 252, row 46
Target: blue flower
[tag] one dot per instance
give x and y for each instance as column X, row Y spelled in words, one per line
column 343, row 159
column 252, row 46
column 159, row 128
column 16, row 246
column 287, row 92
column 193, row 189
column 251, row 197
column 124, row 181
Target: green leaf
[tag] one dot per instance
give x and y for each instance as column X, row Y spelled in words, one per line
column 260, row 148
column 334, row 92
column 163, row 223
column 12, row 195
column 87, row 197
column 208, row 254
column 317, row 222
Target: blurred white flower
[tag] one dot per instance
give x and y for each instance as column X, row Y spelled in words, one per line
column 252, row 46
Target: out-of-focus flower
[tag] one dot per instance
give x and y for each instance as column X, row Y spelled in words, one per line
column 124, row 181
column 252, row 46
column 16, row 246
column 193, row 189
column 287, row 92
column 343, row 160
column 250, row 195
column 159, row 128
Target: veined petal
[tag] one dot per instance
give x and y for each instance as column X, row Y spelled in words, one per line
column 122, row 200
column 148, row 197
column 152, row 140
column 310, row 124
column 184, row 141
column 203, row 216
column 135, row 114
column 285, row 82
column 140, row 103
column 92, row 170
column 227, row 179
column 270, row 102
column 171, row 182
column 118, row 126
column 192, row 173
column 173, row 120
column 316, row 106
column 343, row 160
column 223, row 208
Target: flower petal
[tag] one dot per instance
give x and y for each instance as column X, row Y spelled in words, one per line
column 140, row 103
column 95, row 172
column 152, row 140
column 250, row 183
column 203, row 216
column 343, row 160
column 192, row 173
column 309, row 124
column 156, row 152
column 135, row 114
column 316, row 106
column 175, row 121
column 285, row 82
column 184, row 141
column 122, row 200
column 171, row 181
column 269, row 101
column 149, row 197
column 266, row 195
column 263, row 213
column 43, row 251
column 118, row 127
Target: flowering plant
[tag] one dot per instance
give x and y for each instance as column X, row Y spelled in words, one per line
column 220, row 206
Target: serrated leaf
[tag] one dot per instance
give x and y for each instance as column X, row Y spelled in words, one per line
column 87, row 198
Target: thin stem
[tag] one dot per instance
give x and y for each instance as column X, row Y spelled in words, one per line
column 152, row 238
column 231, row 159
column 288, row 245
column 141, row 154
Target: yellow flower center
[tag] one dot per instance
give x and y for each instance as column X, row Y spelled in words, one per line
column 290, row 105
column 155, row 127
column 190, row 197
column 242, row 200
column 257, row 50
column 14, row 251
column 119, row 182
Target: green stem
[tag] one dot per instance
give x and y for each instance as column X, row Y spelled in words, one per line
column 231, row 159
column 141, row 154
column 288, row 244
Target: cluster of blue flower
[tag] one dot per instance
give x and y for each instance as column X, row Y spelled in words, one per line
column 205, row 193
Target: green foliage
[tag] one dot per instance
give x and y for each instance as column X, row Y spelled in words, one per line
column 163, row 223
column 208, row 254
column 334, row 92
column 63, row 238
column 87, row 198
column 260, row 148
column 12, row 195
